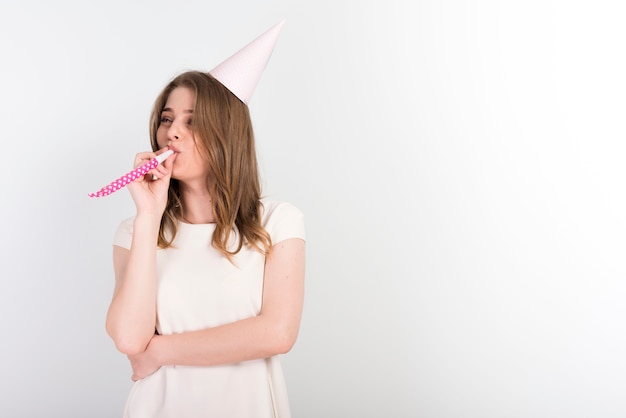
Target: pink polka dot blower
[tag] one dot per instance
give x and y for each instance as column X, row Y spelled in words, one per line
column 131, row 175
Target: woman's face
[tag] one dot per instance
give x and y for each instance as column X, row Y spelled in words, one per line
column 175, row 132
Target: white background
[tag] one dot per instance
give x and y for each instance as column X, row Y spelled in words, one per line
column 460, row 165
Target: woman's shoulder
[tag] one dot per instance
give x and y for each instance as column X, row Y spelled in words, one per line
column 282, row 219
column 272, row 208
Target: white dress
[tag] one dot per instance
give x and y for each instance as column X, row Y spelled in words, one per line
column 199, row 288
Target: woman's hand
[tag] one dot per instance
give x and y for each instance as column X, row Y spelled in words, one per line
column 150, row 192
column 146, row 363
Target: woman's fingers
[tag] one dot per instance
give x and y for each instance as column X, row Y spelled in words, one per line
column 165, row 169
column 161, row 171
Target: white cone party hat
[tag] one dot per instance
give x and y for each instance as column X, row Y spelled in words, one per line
column 241, row 72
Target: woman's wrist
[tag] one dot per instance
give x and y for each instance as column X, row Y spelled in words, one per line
column 145, row 219
column 157, row 346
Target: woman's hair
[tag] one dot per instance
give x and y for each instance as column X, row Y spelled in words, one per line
column 224, row 137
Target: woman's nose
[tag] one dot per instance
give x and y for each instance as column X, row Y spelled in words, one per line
column 173, row 133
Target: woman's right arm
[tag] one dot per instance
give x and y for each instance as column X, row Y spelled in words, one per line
column 131, row 318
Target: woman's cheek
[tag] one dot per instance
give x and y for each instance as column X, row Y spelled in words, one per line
column 161, row 142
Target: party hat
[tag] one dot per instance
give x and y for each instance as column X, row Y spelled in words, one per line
column 241, row 72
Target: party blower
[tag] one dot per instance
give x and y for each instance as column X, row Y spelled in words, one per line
column 132, row 175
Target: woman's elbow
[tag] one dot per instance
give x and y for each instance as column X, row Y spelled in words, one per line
column 128, row 345
column 284, row 347
column 285, row 340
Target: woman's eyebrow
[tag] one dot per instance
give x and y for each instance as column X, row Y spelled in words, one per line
column 169, row 109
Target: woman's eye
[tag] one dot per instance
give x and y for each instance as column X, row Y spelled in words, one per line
column 165, row 119
column 190, row 122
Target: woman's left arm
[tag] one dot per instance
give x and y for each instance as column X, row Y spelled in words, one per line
column 273, row 331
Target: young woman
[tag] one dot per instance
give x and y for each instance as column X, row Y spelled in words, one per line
column 209, row 275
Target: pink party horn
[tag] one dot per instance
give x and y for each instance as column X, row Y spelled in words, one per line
column 132, row 175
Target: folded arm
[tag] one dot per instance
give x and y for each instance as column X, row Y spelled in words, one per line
column 273, row 331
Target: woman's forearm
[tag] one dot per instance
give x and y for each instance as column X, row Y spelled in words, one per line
column 247, row 339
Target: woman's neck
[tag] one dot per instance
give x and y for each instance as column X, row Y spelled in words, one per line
column 197, row 205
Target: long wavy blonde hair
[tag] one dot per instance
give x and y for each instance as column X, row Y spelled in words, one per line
column 225, row 138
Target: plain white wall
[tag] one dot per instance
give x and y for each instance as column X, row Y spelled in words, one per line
column 459, row 163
